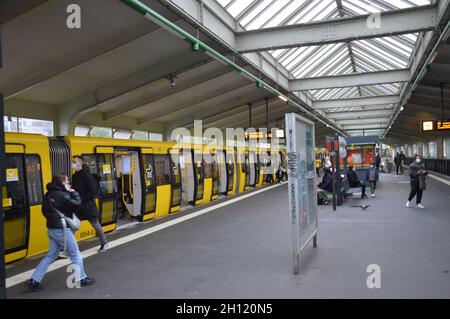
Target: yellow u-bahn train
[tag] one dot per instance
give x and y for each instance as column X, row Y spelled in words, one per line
column 143, row 179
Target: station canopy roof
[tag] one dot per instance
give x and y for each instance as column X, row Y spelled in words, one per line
column 361, row 56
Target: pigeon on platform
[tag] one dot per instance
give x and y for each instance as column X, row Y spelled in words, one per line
column 363, row 207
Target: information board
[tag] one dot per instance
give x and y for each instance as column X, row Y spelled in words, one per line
column 300, row 142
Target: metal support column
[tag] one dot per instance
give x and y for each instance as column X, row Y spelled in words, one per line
column 2, row 183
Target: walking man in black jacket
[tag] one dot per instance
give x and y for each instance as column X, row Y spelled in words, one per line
column 86, row 185
column 397, row 162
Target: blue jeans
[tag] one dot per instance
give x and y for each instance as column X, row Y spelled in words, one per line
column 56, row 237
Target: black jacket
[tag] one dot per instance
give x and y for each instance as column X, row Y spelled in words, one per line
column 327, row 183
column 85, row 184
column 58, row 197
column 377, row 161
column 353, row 179
column 397, row 160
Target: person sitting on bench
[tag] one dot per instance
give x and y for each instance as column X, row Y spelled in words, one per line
column 354, row 181
column 325, row 187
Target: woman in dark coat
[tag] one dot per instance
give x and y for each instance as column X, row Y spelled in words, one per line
column 85, row 184
column 60, row 199
column 417, row 175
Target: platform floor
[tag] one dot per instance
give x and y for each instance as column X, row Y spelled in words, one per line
column 243, row 250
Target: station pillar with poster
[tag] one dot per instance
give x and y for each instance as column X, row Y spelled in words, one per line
column 302, row 189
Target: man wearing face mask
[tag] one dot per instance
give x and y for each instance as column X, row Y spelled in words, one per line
column 86, row 185
column 417, row 175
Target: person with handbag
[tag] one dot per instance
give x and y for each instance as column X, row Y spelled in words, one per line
column 417, row 174
column 59, row 206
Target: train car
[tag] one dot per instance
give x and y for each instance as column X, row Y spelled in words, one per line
column 27, row 172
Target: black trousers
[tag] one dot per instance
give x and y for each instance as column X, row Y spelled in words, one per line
column 415, row 191
column 396, row 168
column 363, row 188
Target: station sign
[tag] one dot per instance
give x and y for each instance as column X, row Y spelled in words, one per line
column 263, row 135
column 433, row 126
column 443, row 125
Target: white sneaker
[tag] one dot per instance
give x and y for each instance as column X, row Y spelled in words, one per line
column 62, row 254
column 373, row 195
column 420, row 206
column 408, row 204
column 103, row 248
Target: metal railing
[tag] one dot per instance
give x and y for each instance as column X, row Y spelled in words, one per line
column 441, row 166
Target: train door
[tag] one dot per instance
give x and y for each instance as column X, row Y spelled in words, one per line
column 163, row 173
column 149, row 198
column 283, row 163
column 176, row 181
column 267, row 167
column 15, row 205
column 199, row 178
column 129, row 179
column 259, row 170
column 277, row 164
column 252, row 168
column 207, row 165
column 215, row 176
column 187, row 176
column 108, row 195
column 222, row 170
column 240, row 177
column 244, row 182
column 230, row 170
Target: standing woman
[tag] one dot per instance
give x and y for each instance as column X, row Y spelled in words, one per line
column 417, row 175
column 60, row 199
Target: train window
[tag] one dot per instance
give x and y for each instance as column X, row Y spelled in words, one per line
column 13, row 194
column 162, row 169
column 108, row 183
column 34, row 179
column 149, row 170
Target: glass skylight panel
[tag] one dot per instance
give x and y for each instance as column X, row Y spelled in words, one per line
column 238, row 6
column 401, row 4
column 333, row 66
column 374, row 49
column 311, row 62
column 367, row 7
column 382, row 62
column 312, row 11
column 224, row 3
column 252, row 15
column 269, row 13
column 299, row 53
column 285, row 12
column 420, row 2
